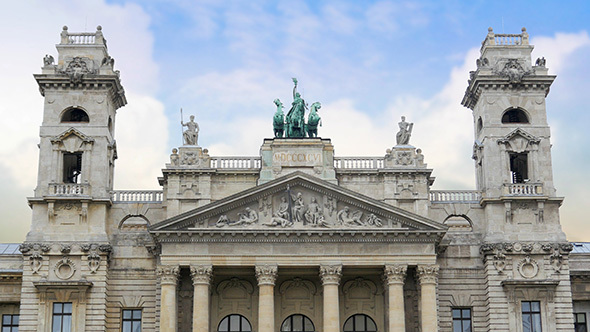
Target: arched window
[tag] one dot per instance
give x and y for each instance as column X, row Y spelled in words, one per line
column 234, row 323
column 297, row 323
column 360, row 323
column 515, row 115
column 75, row 115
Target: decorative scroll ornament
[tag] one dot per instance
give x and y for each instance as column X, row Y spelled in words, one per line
column 77, row 68
column 266, row 274
column 513, row 70
column 428, row 274
column 64, row 268
column 330, row 274
column 556, row 260
column 36, row 261
column 395, row 274
column 201, row 274
column 168, row 274
column 93, row 262
column 36, row 250
column 528, row 267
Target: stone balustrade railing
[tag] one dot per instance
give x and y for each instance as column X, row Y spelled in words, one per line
column 523, row 189
column 359, row 162
column 506, row 39
column 82, row 38
column 235, row 162
column 137, row 196
column 455, row 196
column 69, row 189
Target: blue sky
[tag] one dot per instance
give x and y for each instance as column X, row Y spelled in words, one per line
column 367, row 62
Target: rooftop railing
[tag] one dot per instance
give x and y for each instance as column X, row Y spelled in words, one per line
column 69, row 189
column 137, row 196
column 235, row 162
column 455, row 196
column 359, row 162
column 82, row 38
column 506, row 39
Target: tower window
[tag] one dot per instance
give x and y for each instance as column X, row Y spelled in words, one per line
column 519, row 167
column 515, row 115
column 75, row 115
column 72, row 167
column 480, row 125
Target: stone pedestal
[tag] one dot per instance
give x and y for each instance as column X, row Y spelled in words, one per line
column 330, row 275
column 201, row 279
column 395, row 276
column 168, row 315
column 427, row 275
column 266, row 276
column 281, row 156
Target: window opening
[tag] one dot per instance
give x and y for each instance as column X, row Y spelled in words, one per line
column 75, row 115
column 297, row 322
column 131, row 320
column 72, row 167
column 519, row 167
column 479, row 125
column 234, row 323
column 62, row 317
column 10, row 323
column 360, row 323
column 461, row 320
column 531, row 316
column 514, row 116
column 580, row 322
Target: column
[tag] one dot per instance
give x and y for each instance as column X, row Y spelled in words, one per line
column 168, row 316
column 395, row 276
column 201, row 275
column 427, row 276
column 266, row 276
column 330, row 275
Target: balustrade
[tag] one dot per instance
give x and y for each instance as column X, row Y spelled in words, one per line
column 523, row 189
column 69, row 189
column 359, row 162
column 455, row 196
column 136, row 196
column 235, row 162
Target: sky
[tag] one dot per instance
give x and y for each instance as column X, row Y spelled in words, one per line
column 367, row 62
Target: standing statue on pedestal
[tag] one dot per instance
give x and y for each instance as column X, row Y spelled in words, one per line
column 295, row 117
column 405, row 131
column 278, row 121
column 191, row 134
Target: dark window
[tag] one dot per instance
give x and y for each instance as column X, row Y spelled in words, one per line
column 72, row 167
column 580, row 323
column 519, row 167
column 360, row 323
column 479, row 125
column 75, row 115
column 131, row 320
column 10, row 323
column 531, row 316
column 461, row 319
column 297, row 323
column 234, row 323
column 515, row 116
column 62, row 317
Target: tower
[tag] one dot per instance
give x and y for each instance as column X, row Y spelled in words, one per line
column 512, row 148
column 77, row 146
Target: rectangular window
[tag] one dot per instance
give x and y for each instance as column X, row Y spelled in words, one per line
column 519, row 167
column 72, row 167
column 62, row 317
column 461, row 320
column 10, row 323
column 531, row 316
column 580, row 323
column 131, row 320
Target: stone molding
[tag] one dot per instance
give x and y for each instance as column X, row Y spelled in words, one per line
column 266, row 274
column 201, row 274
column 168, row 274
column 331, row 274
column 511, row 248
column 395, row 274
column 427, row 274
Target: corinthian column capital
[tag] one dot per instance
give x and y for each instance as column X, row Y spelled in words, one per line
column 428, row 274
column 266, row 274
column 168, row 274
column 201, row 274
column 395, row 274
column 330, row 274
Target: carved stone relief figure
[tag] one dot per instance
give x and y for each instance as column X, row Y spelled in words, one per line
column 174, row 159
column 298, row 207
column 281, row 216
column 314, row 215
column 348, row 218
column 246, row 218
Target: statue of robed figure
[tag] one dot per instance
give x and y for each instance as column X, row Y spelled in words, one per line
column 295, row 117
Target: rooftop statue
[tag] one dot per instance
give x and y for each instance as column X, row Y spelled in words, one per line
column 295, row 119
column 191, row 134
column 313, row 119
column 278, row 122
column 405, row 131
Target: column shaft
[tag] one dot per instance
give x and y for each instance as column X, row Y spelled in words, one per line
column 201, row 279
column 428, row 306
column 330, row 275
column 395, row 277
column 266, row 276
column 168, row 315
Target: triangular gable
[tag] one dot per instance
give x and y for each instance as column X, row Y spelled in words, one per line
column 331, row 207
column 519, row 132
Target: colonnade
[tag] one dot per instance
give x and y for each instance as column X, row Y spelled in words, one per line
column 330, row 274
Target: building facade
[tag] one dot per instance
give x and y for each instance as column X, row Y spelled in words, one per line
column 297, row 238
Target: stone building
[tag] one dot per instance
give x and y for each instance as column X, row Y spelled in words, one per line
column 297, row 238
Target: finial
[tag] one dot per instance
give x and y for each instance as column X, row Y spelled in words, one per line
column 523, row 29
column 490, row 30
column 98, row 28
column 65, row 27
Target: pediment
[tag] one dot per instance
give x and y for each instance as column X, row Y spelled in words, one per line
column 519, row 140
column 71, row 140
column 297, row 202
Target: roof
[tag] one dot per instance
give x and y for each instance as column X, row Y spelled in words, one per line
column 581, row 248
column 10, row 249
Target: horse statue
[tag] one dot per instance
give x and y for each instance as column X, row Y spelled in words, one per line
column 278, row 121
column 313, row 119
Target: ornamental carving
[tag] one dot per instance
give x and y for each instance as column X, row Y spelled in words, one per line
column 513, row 70
column 64, row 268
column 266, row 274
column 78, row 67
column 36, row 251
column 395, row 274
column 427, row 274
column 528, row 267
column 201, row 274
column 330, row 274
column 168, row 274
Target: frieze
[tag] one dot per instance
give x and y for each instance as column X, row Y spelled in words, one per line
column 525, row 248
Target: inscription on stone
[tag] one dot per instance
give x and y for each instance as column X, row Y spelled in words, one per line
column 290, row 158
